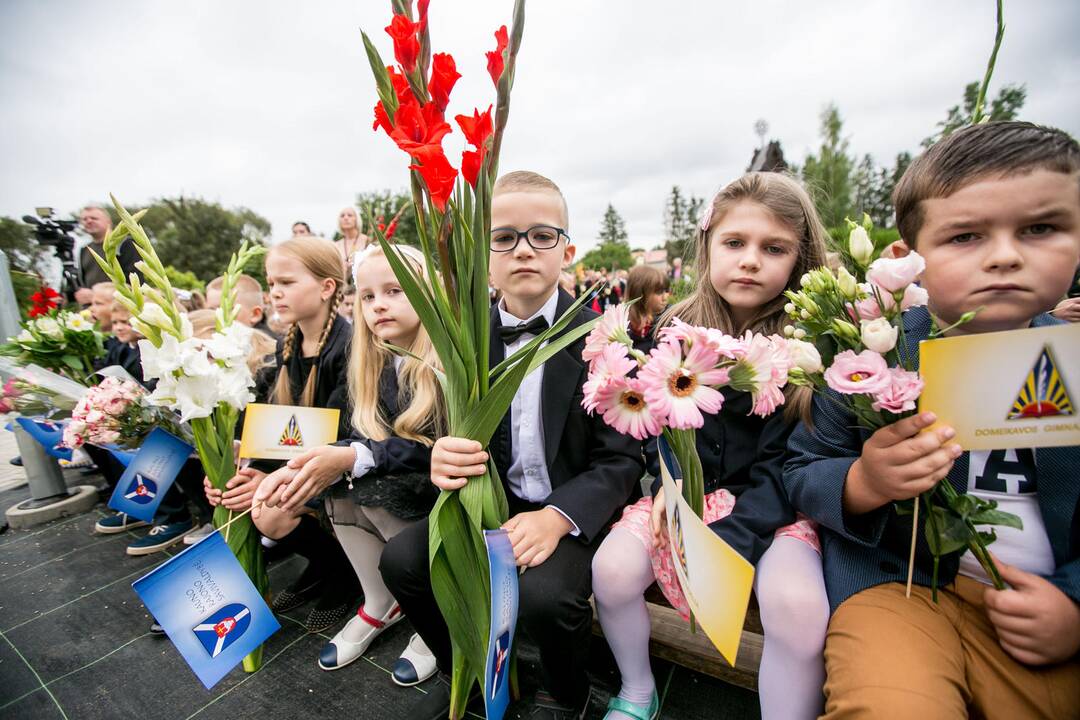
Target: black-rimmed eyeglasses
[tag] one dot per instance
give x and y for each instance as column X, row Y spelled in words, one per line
column 539, row 237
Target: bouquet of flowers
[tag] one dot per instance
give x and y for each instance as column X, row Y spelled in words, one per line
column 44, row 301
column 453, row 221
column 59, row 340
column 35, row 391
column 853, row 317
column 667, row 391
column 116, row 412
column 207, row 381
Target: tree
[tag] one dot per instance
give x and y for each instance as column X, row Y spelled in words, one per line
column 613, row 252
column 680, row 221
column 828, row 174
column 197, row 236
column 1006, row 106
column 17, row 241
column 385, row 204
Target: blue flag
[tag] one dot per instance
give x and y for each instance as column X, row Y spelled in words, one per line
column 149, row 475
column 209, row 608
column 48, row 433
column 504, row 611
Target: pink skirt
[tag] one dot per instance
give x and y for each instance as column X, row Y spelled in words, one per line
column 718, row 504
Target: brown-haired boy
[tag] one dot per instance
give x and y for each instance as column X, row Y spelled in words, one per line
column 995, row 211
column 566, row 473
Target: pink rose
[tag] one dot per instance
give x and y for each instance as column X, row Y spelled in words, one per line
column 864, row 374
column 901, row 393
column 895, row 274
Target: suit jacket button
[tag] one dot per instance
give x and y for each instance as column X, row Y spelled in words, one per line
column 890, row 567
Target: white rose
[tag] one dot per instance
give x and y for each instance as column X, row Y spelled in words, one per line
column 860, row 246
column 805, row 356
column 879, row 335
column 48, row 326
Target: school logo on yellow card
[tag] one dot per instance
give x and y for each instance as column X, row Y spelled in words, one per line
column 1043, row 393
column 290, row 436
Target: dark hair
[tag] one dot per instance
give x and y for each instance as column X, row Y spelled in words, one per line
column 301, row 222
column 643, row 282
column 975, row 152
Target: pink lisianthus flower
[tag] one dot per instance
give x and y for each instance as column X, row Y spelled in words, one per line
column 864, row 374
column 870, row 309
column 679, row 387
column 624, row 407
column 612, row 327
column 611, row 364
column 901, row 393
column 895, row 274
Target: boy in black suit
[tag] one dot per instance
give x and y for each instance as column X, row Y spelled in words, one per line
column 566, row 474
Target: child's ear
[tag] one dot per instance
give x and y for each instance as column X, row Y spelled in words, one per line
column 896, row 250
column 568, row 254
column 255, row 314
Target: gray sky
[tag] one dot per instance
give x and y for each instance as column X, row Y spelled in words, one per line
column 269, row 104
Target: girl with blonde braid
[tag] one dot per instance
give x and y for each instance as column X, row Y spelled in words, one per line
column 306, row 284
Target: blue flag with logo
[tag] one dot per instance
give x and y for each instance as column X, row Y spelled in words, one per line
column 209, row 608
column 48, row 433
column 149, row 474
column 504, row 612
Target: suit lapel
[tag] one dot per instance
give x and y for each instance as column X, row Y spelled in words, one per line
column 557, row 389
column 500, row 440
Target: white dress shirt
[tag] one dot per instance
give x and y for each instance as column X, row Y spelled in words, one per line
column 528, row 475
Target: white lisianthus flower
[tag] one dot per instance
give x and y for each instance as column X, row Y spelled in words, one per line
column 879, row 335
column 860, row 246
column 48, row 326
column 805, row 356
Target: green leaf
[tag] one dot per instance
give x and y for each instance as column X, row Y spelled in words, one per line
column 954, row 533
column 993, row 516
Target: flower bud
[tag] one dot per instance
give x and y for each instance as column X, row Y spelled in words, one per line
column 790, row 308
column 847, row 283
column 879, row 335
column 799, row 333
column 845, row 329
column 805, row 280
column 789, row 330
column 804, row 315
column 860, row 246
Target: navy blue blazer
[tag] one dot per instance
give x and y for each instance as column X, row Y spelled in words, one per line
column 871, row 549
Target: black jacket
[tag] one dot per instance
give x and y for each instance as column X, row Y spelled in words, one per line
column 128, row 357
column 400, row 481
column 593, row 469
column 90, row 273
column 744, row 454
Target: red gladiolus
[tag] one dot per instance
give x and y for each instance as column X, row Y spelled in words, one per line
column 422, row 7
column 443, row 76
column 471, row 161
column 416, row 127
column 404, row 95
column 438, row 174
column 477, row 128
column 43, row 301
column 495, row 58
column 406, row 44
column 391, row 230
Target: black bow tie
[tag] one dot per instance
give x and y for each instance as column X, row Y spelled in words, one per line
column 510, row 335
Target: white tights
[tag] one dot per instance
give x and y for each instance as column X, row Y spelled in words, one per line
column 790, row 589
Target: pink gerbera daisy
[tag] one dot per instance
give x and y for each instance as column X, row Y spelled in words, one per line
column 624, row 407
column 680, row 387
column 611, row 328
column 612, row 363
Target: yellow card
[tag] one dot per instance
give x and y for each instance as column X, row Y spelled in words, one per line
column 1015, row 389
column 280, row 432
column 715, row 579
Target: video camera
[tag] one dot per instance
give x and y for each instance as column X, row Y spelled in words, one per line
column 55, row 233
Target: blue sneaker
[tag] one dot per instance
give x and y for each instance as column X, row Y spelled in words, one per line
column 117, row 523
column 160, row 537
column 627, row 709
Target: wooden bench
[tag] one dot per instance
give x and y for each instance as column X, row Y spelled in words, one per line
column 672, row 641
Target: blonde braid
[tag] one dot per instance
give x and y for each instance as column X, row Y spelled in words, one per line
column 307, row 397
column 282, row 394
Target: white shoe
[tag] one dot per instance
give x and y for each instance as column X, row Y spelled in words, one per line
column 199, row 534
column 339, row 652
column 415, row 665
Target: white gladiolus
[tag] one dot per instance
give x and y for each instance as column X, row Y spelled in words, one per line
column 48, row 326
column 879, row 335
column 153, row 314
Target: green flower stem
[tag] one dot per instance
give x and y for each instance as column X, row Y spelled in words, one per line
column 978, row 549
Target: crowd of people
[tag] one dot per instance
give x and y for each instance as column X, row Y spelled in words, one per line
column 802, row 494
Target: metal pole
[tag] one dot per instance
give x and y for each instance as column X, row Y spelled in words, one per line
column 42, row 470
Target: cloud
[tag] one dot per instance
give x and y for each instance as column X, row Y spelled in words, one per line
column 269, row 106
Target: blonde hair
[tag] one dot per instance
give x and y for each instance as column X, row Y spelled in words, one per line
column 529, row 181
column 204, row 323
column 789, row 203
column 249, row 293
column 424, row 418
column 103, row 286
column 320, row 258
